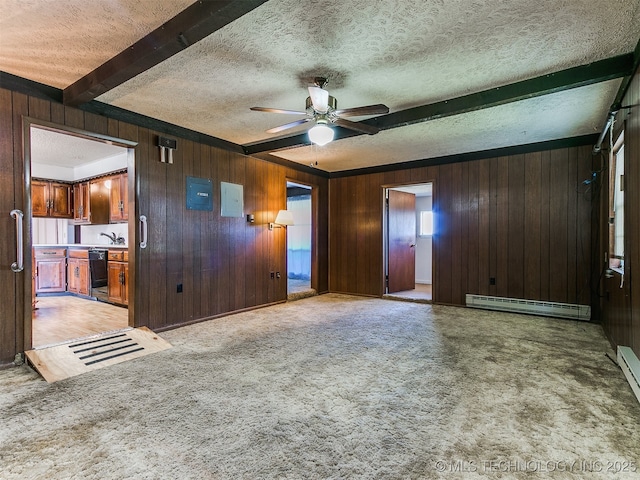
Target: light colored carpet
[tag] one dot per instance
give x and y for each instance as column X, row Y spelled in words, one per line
column 335, row 386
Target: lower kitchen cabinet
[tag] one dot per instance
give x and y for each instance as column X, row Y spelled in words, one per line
column 118, row 277
column 51, row 270
column 78, row 272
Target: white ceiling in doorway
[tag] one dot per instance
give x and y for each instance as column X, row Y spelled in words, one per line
column 419, row 190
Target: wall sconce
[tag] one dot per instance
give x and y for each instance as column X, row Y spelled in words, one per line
column 284, row 218
column 167, row 145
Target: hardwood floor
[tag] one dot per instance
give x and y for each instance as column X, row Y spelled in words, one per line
column 61, row 318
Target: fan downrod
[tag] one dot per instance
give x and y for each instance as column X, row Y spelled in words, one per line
column 320, row 81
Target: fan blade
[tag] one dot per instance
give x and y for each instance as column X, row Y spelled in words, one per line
column 358, row 127
column 378, row 109
column 320, row 99
column 289, row 125
column 276, row 110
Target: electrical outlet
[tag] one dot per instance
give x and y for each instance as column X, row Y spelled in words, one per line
column 273, row 275
column 179, row 288
column 492, row 280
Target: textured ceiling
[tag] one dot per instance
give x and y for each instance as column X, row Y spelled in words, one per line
column 61, row 150
column 403, row 53
column 55, row 42
column 548, row 117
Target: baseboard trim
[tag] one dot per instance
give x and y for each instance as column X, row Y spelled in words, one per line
column 630, row 366
column 213, row 317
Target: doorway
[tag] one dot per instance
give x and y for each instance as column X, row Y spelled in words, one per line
column 299, row 241
column 64, row 169
column 408, row 242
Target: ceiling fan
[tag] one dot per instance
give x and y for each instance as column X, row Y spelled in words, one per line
column 321, row 108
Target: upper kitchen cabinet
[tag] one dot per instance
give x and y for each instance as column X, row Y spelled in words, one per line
column 81, row 204
column 91, row 202
column 119, row 199
column 51, row 199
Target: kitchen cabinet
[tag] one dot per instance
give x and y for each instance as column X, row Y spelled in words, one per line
column 91, row 202
column 118, row 276
column 78, row 271
column 119, row 198
column 81, row 205
column 51, row 263
column 51, row 199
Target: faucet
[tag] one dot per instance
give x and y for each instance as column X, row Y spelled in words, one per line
column 111, row 237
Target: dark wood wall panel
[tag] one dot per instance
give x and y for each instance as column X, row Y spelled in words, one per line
column 532, row 223
column 10, row 304
column 458, row 218
column 572, row 227
column 519, row 219
column 501, row 254
column 40, row 108
column 20, row 109
column 585, row 231
column 351, row 250
column 620, row 300
column 545, row 225
column 473, row 225
column 142, row 262
column 557, row 220
column 483, row 229
column 633, row 212
column 444, row 229
column 223, row 264
column 491, row 188
column 516, row 205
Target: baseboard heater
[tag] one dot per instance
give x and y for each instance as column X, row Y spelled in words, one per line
column 630, row 365
column 533, row 307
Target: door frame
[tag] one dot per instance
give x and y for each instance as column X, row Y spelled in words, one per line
column 27, row 244
column 385, row 236
column 314, row 230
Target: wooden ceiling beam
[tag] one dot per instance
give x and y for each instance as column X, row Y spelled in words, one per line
column 188, row 27
column 596, row 72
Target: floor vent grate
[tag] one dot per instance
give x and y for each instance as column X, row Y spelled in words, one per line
column 630, row 365
column 534, row 307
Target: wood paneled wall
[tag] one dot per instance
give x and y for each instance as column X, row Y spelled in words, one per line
column 224, row 264
column 620, row 300
column 523, row 219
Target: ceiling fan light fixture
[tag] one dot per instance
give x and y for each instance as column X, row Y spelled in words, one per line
column 321, row 134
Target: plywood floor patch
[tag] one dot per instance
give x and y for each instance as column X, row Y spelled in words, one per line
column 74, row 358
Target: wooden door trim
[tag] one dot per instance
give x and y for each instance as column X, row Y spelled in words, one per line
column 315, row 210
column 27, row 123
column 434, row 242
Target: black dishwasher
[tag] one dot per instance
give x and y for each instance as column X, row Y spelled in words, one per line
column 98, row 273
